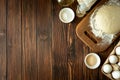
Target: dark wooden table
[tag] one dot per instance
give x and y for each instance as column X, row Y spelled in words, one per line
column 36, row 45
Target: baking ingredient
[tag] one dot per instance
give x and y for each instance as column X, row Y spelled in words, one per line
column 113, row 59
column 84, row 6
column 117, row 50
column 66, row 15
column 118, row 63
column 106, row 38
column 91, row 60
column 88, row 3
column 107, row 19
column 116, row 74
column 107, row 68
column 105, row 22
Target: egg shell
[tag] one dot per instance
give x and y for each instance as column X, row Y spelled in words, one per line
column 107, row 68
column 117, row 50
column 118, row 63
column 116, row 74
column 113, row 59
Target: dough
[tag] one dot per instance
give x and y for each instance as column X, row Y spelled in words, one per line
column 107, row 19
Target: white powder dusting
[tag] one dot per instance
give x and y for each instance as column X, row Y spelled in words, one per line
column 114, row 2
column 106, row 38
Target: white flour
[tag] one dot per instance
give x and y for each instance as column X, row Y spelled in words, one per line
column 106, row 38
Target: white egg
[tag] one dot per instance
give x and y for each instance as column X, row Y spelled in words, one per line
column 117, row 50
column 107, row 68
column 116, row 74
column 113, row 59
column 118, row 63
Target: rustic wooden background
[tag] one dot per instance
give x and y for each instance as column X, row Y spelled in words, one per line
column 36, row 45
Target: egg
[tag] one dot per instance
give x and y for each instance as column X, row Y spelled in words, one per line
column 118, row 63
column 116, row 74
column 113, row 59
column 117, row 50
column 107, row 68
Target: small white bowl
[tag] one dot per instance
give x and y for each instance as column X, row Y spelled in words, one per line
column 98, row 61
column 66, row 15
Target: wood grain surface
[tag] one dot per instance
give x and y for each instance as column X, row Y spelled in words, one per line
column 36, row 45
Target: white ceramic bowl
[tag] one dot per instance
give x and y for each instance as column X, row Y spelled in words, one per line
column 98, row 61
column 66, row 15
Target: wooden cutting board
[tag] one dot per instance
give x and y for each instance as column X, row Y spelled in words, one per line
column 84, row 33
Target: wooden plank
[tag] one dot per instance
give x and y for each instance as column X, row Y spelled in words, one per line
column 14, row 40
column 71, row 52
column 59, row 46
column 29, row 63
column 3, row 40
column 44, row 30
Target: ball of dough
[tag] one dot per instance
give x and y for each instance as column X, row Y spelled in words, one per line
column 107, row 68
column 107, row 19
